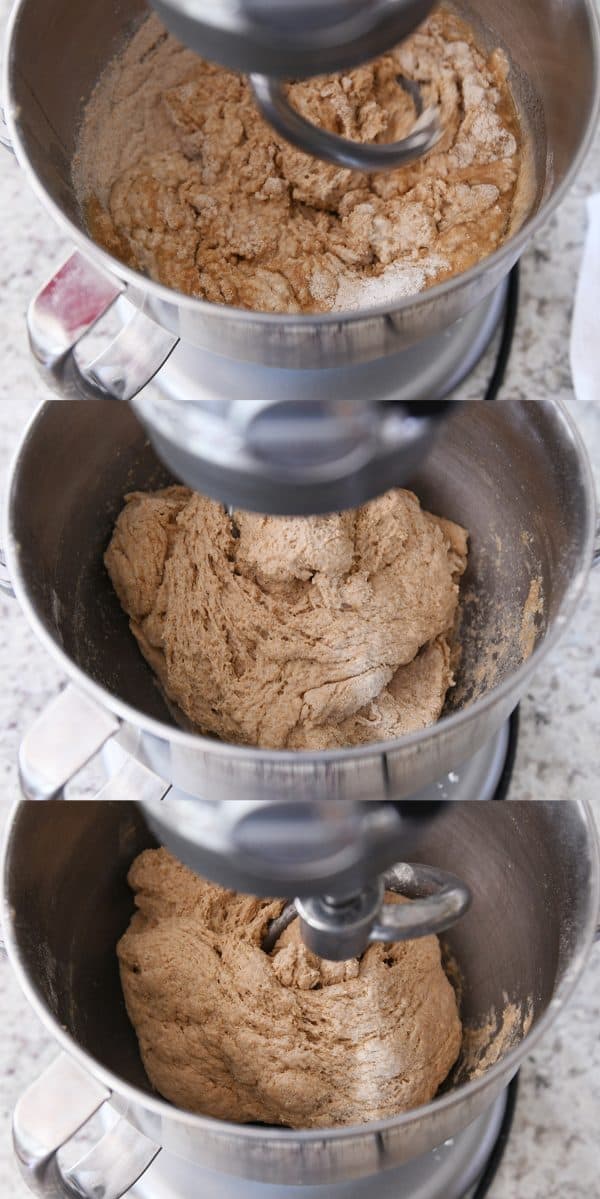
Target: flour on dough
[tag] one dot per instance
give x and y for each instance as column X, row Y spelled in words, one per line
column 180, row 177
column 229, row 1031
column 292, row 633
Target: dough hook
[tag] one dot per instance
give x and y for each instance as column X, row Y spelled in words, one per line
column 275, row 40
column 270, row 96
column 338, row 929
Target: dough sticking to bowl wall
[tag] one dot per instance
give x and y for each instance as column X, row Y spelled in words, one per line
column 180, row 177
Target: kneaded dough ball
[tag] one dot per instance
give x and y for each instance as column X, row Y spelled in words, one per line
column 229, row 1031
column 292, row 633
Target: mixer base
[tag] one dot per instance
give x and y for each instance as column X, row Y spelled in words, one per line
column 451, row 1171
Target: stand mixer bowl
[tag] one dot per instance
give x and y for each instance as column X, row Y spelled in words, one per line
column 554, row 52
column 515, row 474
column 534, row 872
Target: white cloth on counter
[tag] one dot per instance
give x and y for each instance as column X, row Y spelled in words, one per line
column 585, row 327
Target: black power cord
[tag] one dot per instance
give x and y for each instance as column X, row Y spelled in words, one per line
column 508, row 332
column 509, row 760
column 436, row 408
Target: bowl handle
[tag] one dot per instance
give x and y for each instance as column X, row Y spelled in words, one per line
column 6, row 587
column 134, row 779
column 67, row 308
column 50, row 1113
column 5, row 139
column 63, row 739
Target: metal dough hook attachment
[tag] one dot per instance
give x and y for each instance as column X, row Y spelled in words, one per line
column 340, row 929
column 272, row 101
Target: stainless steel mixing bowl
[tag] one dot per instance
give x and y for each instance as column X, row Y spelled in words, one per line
column 534, row 871
column 514, row 473
column 55, row 53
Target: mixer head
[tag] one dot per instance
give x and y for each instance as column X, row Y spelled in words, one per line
column 274, row 40
column 291, row 457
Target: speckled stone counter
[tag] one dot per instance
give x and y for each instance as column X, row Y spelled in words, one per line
column 553, row 1152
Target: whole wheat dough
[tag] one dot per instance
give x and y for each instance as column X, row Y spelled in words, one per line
column 180, row 177
column 229, row 1031
column 310, row 632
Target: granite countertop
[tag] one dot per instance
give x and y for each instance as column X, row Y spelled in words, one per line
column 553, row 1152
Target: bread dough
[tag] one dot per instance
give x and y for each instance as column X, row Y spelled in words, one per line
column 228, row 1031
column 295, row 633
column 181, row 177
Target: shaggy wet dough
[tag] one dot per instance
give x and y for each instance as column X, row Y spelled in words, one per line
column 297, row 633
column 229, row 1031
column 180, row 176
